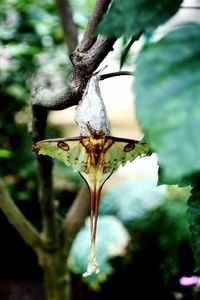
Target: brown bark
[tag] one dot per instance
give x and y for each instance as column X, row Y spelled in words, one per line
column 89, row 36
column 69, row 27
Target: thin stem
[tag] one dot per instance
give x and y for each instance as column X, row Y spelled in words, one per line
column 113, row 74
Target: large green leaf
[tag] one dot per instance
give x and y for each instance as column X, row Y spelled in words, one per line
column 167, row 89
column 132, row 200
column 131, row 16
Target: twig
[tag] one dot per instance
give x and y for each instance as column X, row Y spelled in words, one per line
column 89, row 36
column 15, row 217
column 113, row 74
column 68, row 25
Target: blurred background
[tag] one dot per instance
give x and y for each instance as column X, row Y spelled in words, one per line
column 143, row 242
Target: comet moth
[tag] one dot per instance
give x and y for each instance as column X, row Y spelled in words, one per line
column 95, row 154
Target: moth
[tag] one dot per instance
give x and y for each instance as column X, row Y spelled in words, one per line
column 95, row 155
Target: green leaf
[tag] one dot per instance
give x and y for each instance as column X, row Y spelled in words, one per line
column 132, row 200
column 128, row 47
column 16, row 90
column 194, row 221
column 110, row 243
column 131, row 16
column 167, row 89
column 5, row 153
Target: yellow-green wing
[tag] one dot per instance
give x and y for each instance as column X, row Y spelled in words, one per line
column 69, row 151
column 122, row 151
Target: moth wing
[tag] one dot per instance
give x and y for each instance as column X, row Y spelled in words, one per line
column 122, row 151
column 69, row 151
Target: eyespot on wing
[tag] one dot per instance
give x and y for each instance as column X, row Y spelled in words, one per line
column 106, row 167
column 64, row 146
column 129, row 147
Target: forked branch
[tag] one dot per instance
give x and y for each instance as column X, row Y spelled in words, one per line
column 84, row 63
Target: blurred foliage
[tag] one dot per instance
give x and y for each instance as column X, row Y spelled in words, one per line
column 131, row 16
column 82, row 10
column 172, row 87
column 168, row 67
column 168, row 227
column 194, row 218
column 31, row 49
column 140, row 197
column 148, row 213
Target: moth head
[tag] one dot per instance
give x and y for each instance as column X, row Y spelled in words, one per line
column 95, row 134
column 35, row 148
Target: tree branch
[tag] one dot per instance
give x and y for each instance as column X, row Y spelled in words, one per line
column 89, row 38
column 84, row 64
column 44, row 170
column 15, row 217
column 68, row 25
column 62, row 99
column 56, row 100
column 87, row 62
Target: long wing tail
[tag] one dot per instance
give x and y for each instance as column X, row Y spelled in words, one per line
column 94, row 186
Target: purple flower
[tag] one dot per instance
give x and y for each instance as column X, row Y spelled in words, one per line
column 192, row 280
